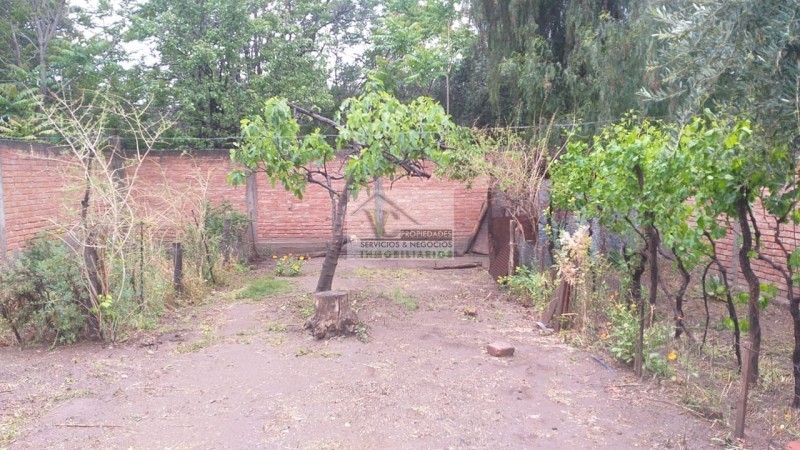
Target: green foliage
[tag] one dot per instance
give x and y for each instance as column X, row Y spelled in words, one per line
column 43, row 292
column 59, row 49
column 218, row 57
column 736, row 56
column 624, row 331
column 403, row 299
column 214, row 222
column 709, row 161
column 716, row 288
column 601, row 180
column 529, row 284
column 566, row 57
column 380, row 136
column 288, row 265
column 19, row 114
column 417, row 46
column 203, row 241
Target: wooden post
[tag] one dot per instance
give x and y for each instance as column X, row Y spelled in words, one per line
column 226, row 241
column 744, row 391
column 141, row 263
column 3, row 235
column 380, row 224
column 177, row 260
column 511, row 228
column 90, row 260
column 251, row 234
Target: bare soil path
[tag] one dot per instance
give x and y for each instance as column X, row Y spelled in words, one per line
column 243, row 374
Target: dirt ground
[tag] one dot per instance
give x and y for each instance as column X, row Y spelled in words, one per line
column 244, row 374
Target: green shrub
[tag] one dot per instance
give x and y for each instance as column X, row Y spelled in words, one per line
column 203, row 241
column 44, row 293
column 529, row 284
column 623, row 331
column 288, row 265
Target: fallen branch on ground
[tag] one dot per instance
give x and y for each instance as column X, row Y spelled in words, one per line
column 459, row 266
column 87, row 425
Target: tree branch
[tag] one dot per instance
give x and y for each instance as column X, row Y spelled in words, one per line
column 414, row 169
column 315, row 116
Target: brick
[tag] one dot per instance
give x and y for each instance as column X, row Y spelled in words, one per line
column 500, row 349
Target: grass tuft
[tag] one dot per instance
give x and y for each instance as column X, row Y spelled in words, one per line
column 264, row 287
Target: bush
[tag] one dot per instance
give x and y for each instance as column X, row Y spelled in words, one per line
column 203, row 242
column 623, row 332
column 44, row 293
column 529, row 284
column 288, row 265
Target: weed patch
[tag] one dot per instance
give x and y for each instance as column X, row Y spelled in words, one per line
column 316, row 353
column 403, row 299
column 264, row 287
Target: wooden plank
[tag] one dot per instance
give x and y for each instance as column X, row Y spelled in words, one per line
column 177, row 274
column 3, row 235
column 477, row 227
column 251, row 234
column 744, row 391
column 471, row 265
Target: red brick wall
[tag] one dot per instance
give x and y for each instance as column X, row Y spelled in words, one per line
column 34, row 191
column 168, row 186
column 171, row 188
column 789, row 235
column 42, row 190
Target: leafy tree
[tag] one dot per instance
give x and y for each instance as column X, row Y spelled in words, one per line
column 56, row 50
column 649, row 182
column 622, row 179
column 418, row 46
column 566, row 57
column 19, row 116
column 376, row 136
column 218, row 57
column 738, row 58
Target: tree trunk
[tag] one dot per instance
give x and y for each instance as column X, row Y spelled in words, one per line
column 686, row 278
column 636, row 294
column 723, row 272
column 753, row 287
column 794, row 308
column 325, row 282
column 652, row 259
column 332, row 315
column 90, row 258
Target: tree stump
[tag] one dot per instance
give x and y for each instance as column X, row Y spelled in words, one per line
column 332, row 315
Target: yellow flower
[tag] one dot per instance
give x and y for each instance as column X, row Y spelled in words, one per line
column 672, row 356
column 295, row 267
column 274, row 256
column 284, row 258
column 301, row 258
